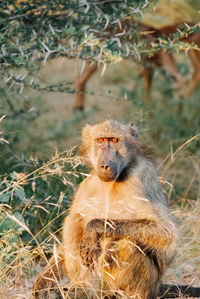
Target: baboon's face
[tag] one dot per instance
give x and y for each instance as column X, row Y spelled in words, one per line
column 111, row 157
column 111, row 148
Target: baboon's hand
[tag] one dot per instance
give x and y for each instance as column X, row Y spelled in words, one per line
column 90, row 249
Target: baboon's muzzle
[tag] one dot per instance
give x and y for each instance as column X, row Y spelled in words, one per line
column 107, row 171
column 107, row 164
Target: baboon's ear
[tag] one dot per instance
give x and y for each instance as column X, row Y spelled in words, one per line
column 86, row 140
column 133, row 130
column 86, row 133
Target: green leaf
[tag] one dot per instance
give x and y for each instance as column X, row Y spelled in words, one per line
column 20, row 194
column 4, row 197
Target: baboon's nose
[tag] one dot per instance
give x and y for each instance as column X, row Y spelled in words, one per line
column 107, row 171
column 105, row 167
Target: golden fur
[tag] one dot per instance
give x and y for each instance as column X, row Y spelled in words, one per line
column 119, row 236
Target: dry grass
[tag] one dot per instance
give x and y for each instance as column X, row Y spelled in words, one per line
column 186, row 267
column 18, row 277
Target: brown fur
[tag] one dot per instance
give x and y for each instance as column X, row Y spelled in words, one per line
column 119, row 235
column 51, row 275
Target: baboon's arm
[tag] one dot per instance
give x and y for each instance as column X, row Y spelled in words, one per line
column 72, row 238
column 144, row 231
column 72, row 233
column 148, row 235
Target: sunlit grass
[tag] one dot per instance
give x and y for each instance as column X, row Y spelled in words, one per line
column 26, row 260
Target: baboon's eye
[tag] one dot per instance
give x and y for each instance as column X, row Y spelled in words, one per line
column 114, row 139
column 100, row 140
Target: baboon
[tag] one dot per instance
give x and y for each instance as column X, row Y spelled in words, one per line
column 119, row 236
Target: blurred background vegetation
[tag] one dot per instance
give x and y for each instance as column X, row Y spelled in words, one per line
column 44, row 45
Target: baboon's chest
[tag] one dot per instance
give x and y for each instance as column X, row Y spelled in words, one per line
column 121, row 202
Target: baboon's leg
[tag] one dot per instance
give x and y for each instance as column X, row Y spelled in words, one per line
column 81, row 81
column 147, row 75
column 127, row 270
column 133, row 265
column 51, row 276
column 195, row 59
